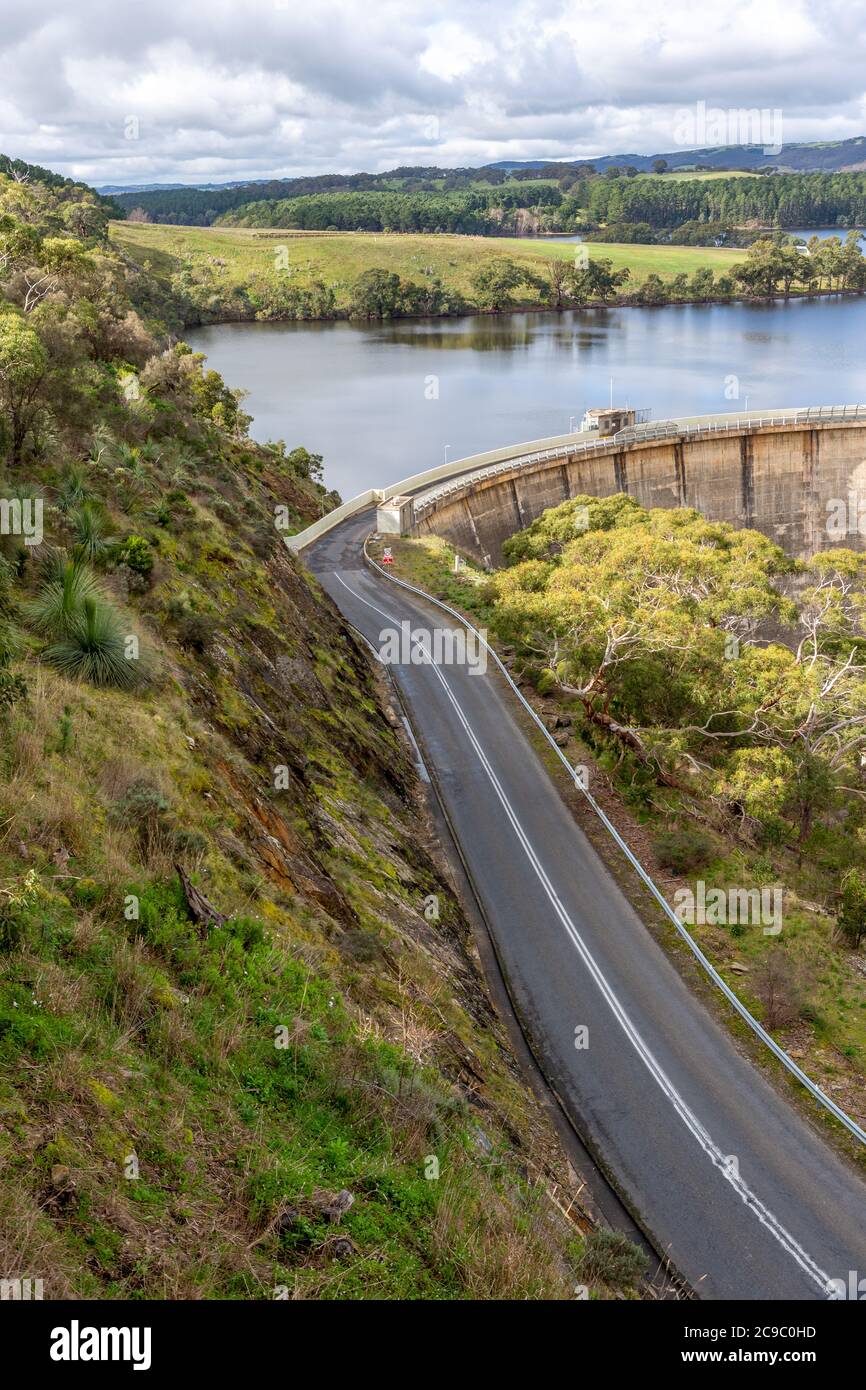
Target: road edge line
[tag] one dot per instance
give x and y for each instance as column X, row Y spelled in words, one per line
column 749, row 1019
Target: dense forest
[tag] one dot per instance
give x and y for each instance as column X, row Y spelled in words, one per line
column 633, row 616
column 786, row 200
column 563, row 198
column 476, row 212
column 199, row 207
column 581, row 203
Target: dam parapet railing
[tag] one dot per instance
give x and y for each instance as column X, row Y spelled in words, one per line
column 436, row 484
column 557, row 445
column 657, row 430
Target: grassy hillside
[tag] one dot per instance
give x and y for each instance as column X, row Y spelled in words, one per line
column 688, row 175
column 246, row 1050
column 234, row 258
column 179, row 1100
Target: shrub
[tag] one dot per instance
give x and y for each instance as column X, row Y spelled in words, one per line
column 684, row 848
column 94, row 648
column 144, row 809
column 137, row 555
column 11, row 927
column 780, row 987
column 851, row 918
column 195, row 631
column 247, row 930
column 12, row 688
column 163, row 916
column 30, row 911
column 88, row 526
column 160, row 513
column 189, row 844
column 177, row 510
column 69, row 584
column 73, row 490
column 612, row 1258
column 64, row 732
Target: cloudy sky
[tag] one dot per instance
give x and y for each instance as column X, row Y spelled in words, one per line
column 123, row 91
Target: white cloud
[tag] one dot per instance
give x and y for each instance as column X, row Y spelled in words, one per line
column 253, row 88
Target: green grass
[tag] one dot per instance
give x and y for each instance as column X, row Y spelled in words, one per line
column 429, row 563
column 145, row 1035
column 239, row 254
column 149, row 1037
column 641, row 261
column 682, row 175
column 180, row 1089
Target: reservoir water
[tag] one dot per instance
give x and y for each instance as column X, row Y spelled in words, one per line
column 381, row 401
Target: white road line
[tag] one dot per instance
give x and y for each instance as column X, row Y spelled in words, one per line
column 733, row 999
column 693, row 1124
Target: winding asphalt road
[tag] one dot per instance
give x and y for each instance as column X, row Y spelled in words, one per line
column 720, row 1171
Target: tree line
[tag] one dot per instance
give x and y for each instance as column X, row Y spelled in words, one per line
column 199, row 207
column 785, row 200
column 772, row 267
column 475, row 212
column 588, row 204
column 489, row 201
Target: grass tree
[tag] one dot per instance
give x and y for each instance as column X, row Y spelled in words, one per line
column 94, row 648
column 86, row 634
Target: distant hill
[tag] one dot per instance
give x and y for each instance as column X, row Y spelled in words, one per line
column 128, row 188
column 820, row 157
column 204, row 204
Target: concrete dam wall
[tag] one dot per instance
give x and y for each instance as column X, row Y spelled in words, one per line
column 798, row 478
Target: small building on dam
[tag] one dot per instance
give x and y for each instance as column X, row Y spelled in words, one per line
column 798, row 476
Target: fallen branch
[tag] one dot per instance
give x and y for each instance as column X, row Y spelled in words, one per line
column 203, row 913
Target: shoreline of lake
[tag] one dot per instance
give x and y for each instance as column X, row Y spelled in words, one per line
column 530, row 307
column 384, row 399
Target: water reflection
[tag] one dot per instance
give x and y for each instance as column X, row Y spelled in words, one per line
column 481, row 334
column 382, row 401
